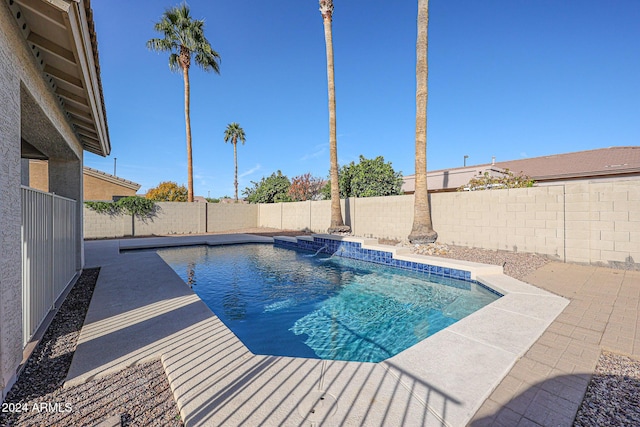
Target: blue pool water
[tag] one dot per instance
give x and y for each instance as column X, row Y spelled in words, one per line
column 289, row 303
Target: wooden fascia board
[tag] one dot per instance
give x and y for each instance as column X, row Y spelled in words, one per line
column 77, row 22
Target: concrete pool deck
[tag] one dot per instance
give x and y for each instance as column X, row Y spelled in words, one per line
column 142, row 310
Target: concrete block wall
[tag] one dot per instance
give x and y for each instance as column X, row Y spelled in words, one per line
column 603, row 222
column 296, row 215
column 270, row 215
column 173, row 218
column 98, row 226
column 520, row 219
column 321, row 215
column 589, row 222
column 231, row 216
column 382, row 217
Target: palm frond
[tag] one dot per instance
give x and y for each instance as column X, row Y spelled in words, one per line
column 180, row 30
column 174, row 62
column 234, row 133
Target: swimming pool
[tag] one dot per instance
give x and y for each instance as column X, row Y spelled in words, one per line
column 290, row 303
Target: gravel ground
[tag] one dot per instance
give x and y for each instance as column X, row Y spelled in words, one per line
column 613, row 393
column 137, row 396
column 515, row 264
column 141, row 396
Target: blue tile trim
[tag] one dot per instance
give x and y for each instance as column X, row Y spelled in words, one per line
column 354, row 250
column 493, row 291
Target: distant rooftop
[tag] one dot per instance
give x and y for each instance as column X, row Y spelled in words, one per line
column 579, row 164
column 599, row 163
column 111, row 178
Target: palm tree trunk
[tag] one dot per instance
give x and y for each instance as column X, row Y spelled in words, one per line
column 185, row 73
column 422, row 230
column 235, row 161
column 337, row 223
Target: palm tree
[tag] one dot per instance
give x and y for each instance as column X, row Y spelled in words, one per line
column 234, row 133
column 337, row 224
column 422, row 230
column 184, row 38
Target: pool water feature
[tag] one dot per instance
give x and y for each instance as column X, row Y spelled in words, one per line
column 284, row 302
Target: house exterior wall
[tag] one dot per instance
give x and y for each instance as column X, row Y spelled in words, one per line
column 10, row 176
column 31, row 111
column 38, row 175
column 99, row 189
column 93, row 188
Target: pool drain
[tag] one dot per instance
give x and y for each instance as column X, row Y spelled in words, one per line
column 318, row 406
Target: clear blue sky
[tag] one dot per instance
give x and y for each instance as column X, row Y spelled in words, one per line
column 507, row 78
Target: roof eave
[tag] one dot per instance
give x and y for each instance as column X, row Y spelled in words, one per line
column 69, row 63
column 82, row 28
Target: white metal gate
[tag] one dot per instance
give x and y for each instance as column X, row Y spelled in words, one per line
column 49, row 244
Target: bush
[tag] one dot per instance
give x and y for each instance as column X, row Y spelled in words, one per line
column 168, row 191
column 505, row 180
column 305, row 187
column 272, row 189
column 132, row 205
column 368, row 178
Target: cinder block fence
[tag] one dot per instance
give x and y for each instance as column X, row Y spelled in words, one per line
column 592, row 223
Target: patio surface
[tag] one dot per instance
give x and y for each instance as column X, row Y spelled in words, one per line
column 547, row 385
column 142, row 310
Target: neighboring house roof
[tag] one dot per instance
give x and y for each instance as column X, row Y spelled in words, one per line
column 599, row 163
column 62, row 37
column 111, row 178
column 580, row 164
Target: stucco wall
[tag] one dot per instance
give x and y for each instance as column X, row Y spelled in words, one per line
column 39, row 175
column 10, row 218
column 99, row 189
column 29, row 110
column 93, row 188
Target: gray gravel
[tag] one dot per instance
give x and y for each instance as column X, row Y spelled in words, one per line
column 137, row 396
column 613, row 395
column 515, row 264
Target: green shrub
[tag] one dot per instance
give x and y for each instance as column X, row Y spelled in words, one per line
column 132, row 205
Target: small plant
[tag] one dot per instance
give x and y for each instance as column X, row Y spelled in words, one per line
column 107, row 208
column 132, row 205
column 507, row 180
